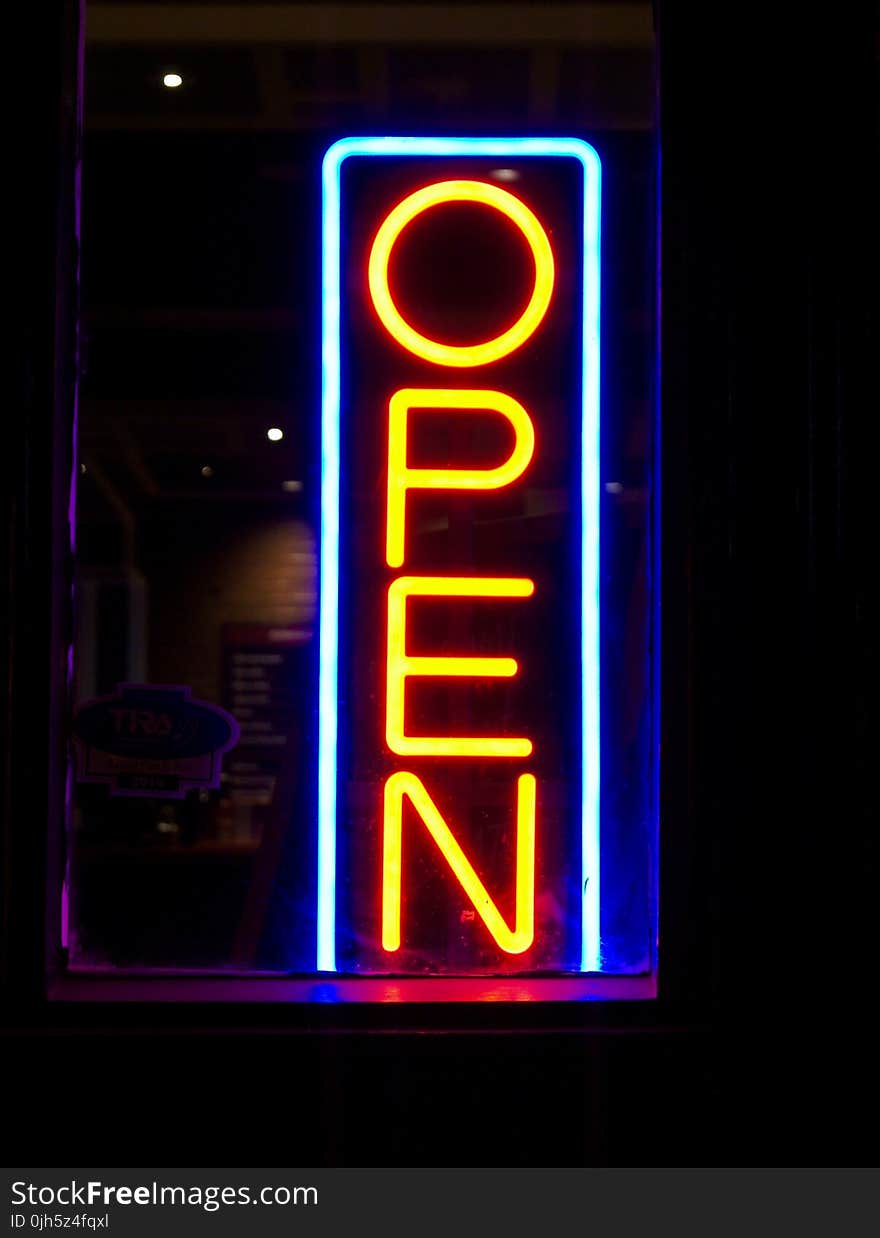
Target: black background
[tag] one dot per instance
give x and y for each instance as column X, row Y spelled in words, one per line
column 762, row 1049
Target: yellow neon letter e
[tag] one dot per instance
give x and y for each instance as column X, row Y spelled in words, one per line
column 400, row 666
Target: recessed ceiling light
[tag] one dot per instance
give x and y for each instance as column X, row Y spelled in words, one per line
column 274, row 435
column 207, row 471
column 292, row 487
column 504, row 174
column 172, row 80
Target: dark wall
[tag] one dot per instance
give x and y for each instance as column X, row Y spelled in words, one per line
column 761, row 1048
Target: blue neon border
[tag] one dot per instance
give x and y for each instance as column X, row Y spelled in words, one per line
column 591, row 957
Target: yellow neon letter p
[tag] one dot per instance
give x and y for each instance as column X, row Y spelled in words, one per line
column 402, row 478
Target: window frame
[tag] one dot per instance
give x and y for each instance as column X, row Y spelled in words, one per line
column 569, row 1000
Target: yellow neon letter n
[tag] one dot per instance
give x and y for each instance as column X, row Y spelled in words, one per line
column 402, row 478
column 511, row 941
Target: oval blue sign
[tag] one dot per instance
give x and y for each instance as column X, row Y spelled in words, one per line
column 155, row 722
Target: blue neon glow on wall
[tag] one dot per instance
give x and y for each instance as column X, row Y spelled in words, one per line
column 330, row 482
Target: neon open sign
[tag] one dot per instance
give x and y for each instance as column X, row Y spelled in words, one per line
column 458, row 797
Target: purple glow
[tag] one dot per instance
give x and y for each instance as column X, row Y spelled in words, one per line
column 68, row 821
column 114, row 985
column 65, row 914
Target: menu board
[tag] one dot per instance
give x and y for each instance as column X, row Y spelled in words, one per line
column 263, row 688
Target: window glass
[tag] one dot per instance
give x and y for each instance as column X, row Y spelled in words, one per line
column 221, row 819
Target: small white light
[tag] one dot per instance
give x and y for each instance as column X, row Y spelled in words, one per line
column 172, row 80
column 207, row 471
column 292, row 487
column 504, row 174
column 614, row 487
column 274, row 435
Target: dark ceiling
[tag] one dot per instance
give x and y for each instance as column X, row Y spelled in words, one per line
column 198, row 243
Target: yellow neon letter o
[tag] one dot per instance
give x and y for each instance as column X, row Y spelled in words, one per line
column 455, row 354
